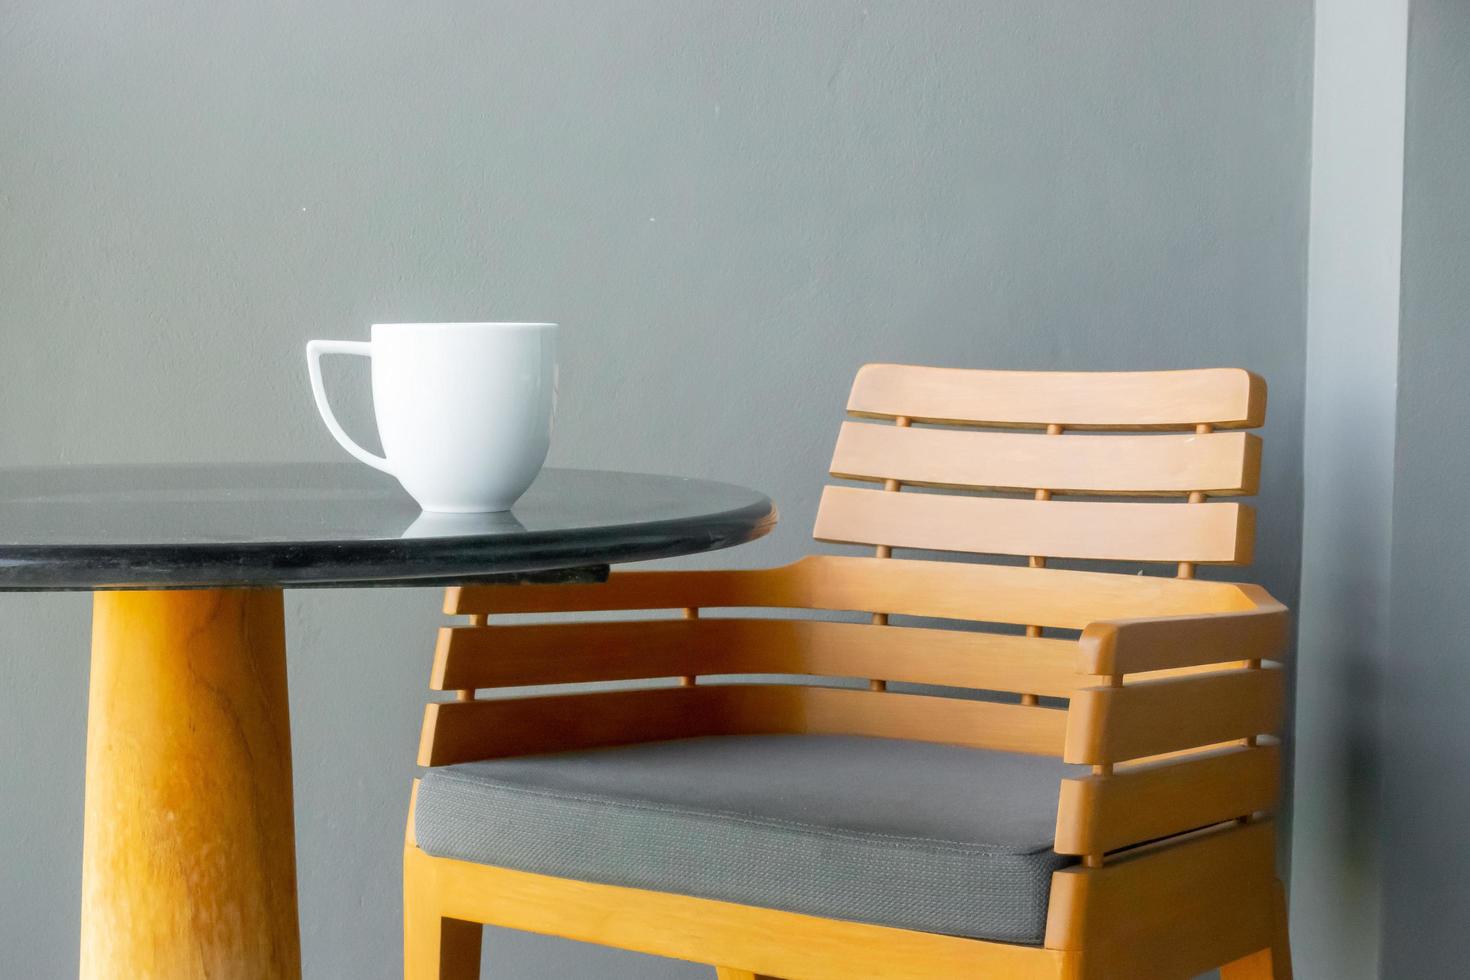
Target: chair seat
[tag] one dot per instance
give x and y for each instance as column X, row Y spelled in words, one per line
column 909, row 834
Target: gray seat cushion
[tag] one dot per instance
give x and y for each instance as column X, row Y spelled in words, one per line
column 930, row 837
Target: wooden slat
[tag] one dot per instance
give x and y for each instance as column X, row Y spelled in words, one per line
column 1102, row 813
column 1131, row 645
column 1216, row 463
column 1176, row 909
column 1143, row 677
column 1113, row 724
column 1194, row 751
column 1273, row 963
column 462, row 731
column 761, row 940
column 564, row 653
column 1222, row 397
column 1205, row 533
column 714, row 589
column 947, row 590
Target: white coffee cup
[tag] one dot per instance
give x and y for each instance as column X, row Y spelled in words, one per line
column 464, row 410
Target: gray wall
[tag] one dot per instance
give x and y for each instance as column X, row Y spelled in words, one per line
column 1351, row 386
column 1379, row 852
column 1426, row 723
column 730, row 207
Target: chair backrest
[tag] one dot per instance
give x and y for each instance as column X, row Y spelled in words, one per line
column 1099, row 435
column 1088, row 441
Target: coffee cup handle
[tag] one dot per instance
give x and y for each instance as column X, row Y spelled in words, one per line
column 314, row 351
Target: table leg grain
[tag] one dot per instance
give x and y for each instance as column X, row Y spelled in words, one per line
column 189, row 855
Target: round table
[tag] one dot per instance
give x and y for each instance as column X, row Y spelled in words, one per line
column 189, row 855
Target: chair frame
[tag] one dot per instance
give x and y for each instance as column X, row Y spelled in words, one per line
column 1169, row 699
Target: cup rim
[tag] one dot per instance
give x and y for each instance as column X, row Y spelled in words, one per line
column 469, row 325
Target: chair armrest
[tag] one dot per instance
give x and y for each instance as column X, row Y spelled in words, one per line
column 1161, row 746
column 1119, row 721
column 1127, row 646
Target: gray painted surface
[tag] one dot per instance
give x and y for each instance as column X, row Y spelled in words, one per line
column 1351, row 385
column 1427, row 717
column 729, row 207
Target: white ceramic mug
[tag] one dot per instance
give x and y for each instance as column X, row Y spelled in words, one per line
column 464, row 410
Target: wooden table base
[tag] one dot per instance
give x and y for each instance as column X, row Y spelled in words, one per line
column 189, row 859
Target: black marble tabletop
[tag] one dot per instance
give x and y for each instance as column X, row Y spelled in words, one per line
column 315, row 524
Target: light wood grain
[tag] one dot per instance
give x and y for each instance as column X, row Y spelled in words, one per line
column 1113, row 724
column 1207, row 533
column 434, row 947
column 1160, row 643
column 560, row 653
column 1102, row 813
column 745, row 937
column 461, row 731
column 1173, row 910
column 1221, row 463
column 1272, row 963
column 1164, row 684
column 1227, row 398
column 188, row 855
column 945, row 590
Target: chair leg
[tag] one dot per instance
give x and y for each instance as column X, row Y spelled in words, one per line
column 730, row 973
column 434, row 947
column 1272, row 963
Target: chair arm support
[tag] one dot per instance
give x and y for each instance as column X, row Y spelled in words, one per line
column 1127, row 646
column 1112, row 724
column 1152, row 800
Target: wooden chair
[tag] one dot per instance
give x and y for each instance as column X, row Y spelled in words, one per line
column 1155, row 682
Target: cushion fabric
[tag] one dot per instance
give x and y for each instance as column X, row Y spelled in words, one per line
column 920, row 836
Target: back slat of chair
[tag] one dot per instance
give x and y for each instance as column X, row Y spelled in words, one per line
column 1051, row 466
column 1139, row 532
column 1222, row 463
column 1226, row 398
